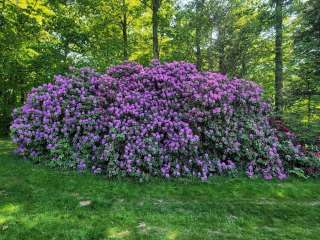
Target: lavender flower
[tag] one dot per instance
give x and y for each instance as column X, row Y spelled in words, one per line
column 166, row 119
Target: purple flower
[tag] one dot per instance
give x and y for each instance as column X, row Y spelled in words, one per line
column 81, row 166
column 166, row 120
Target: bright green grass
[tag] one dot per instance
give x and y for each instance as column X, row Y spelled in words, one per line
column 41, row 203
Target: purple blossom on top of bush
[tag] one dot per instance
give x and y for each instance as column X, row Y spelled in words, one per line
column 164, row 120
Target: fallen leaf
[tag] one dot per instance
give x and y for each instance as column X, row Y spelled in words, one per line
column 85, row 203
column 5, row 227
column 142, row 225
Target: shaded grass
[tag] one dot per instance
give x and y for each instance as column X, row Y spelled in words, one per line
column 41, row 203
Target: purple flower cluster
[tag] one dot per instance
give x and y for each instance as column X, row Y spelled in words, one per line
column 164, row 120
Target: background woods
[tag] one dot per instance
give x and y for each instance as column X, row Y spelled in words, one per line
column 273, row 42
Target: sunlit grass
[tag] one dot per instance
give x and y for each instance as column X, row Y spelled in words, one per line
column 9, row 208
column 117, row 233
column 172, row 235
column 41, row 203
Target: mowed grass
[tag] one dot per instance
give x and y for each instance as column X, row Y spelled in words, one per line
column 41, row 203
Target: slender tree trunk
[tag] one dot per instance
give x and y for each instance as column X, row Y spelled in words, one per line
column 210, row 57
column 155, row 23
column 222, row 66
column 309, row 110
column 65, row 54
column 309, row 102
column 243, row 67
column 22, row 96
column 125, row 42
column 199, row 6
column 125, row 35
column 278, row 57
column 198, row 48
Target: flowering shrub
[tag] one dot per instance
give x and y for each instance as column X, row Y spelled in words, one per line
column 164, row 120
column 299, row 158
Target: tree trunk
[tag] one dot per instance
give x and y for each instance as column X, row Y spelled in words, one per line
column 199, row 6
column 125, row 33
column 243, row 67
column 222, row 66
column 66, row 51
column 155, row 9
column 309, row 102
column 278, row 57
column 210, row 57
column 198, row 48
column 125, row 42
column 309, row 110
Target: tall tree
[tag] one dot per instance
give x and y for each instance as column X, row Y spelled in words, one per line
column 220, row 15
column 155, row 24
column 124, row 28
column 278, row 56
column 155, row 7
column 19, row 31
column 124, row 13
column 306, row 88
column 199, row 11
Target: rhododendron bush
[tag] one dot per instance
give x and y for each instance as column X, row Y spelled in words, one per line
column 164, row 120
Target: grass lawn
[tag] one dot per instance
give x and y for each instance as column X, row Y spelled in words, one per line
column 41, row 203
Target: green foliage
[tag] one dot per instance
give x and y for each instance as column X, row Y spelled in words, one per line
column 299, row 173
column 304, row 93
column 113, row 150
column 19, row 31
column 41, row 38
column 62, row 156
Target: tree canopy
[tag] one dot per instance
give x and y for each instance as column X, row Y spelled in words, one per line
column 275, row 43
